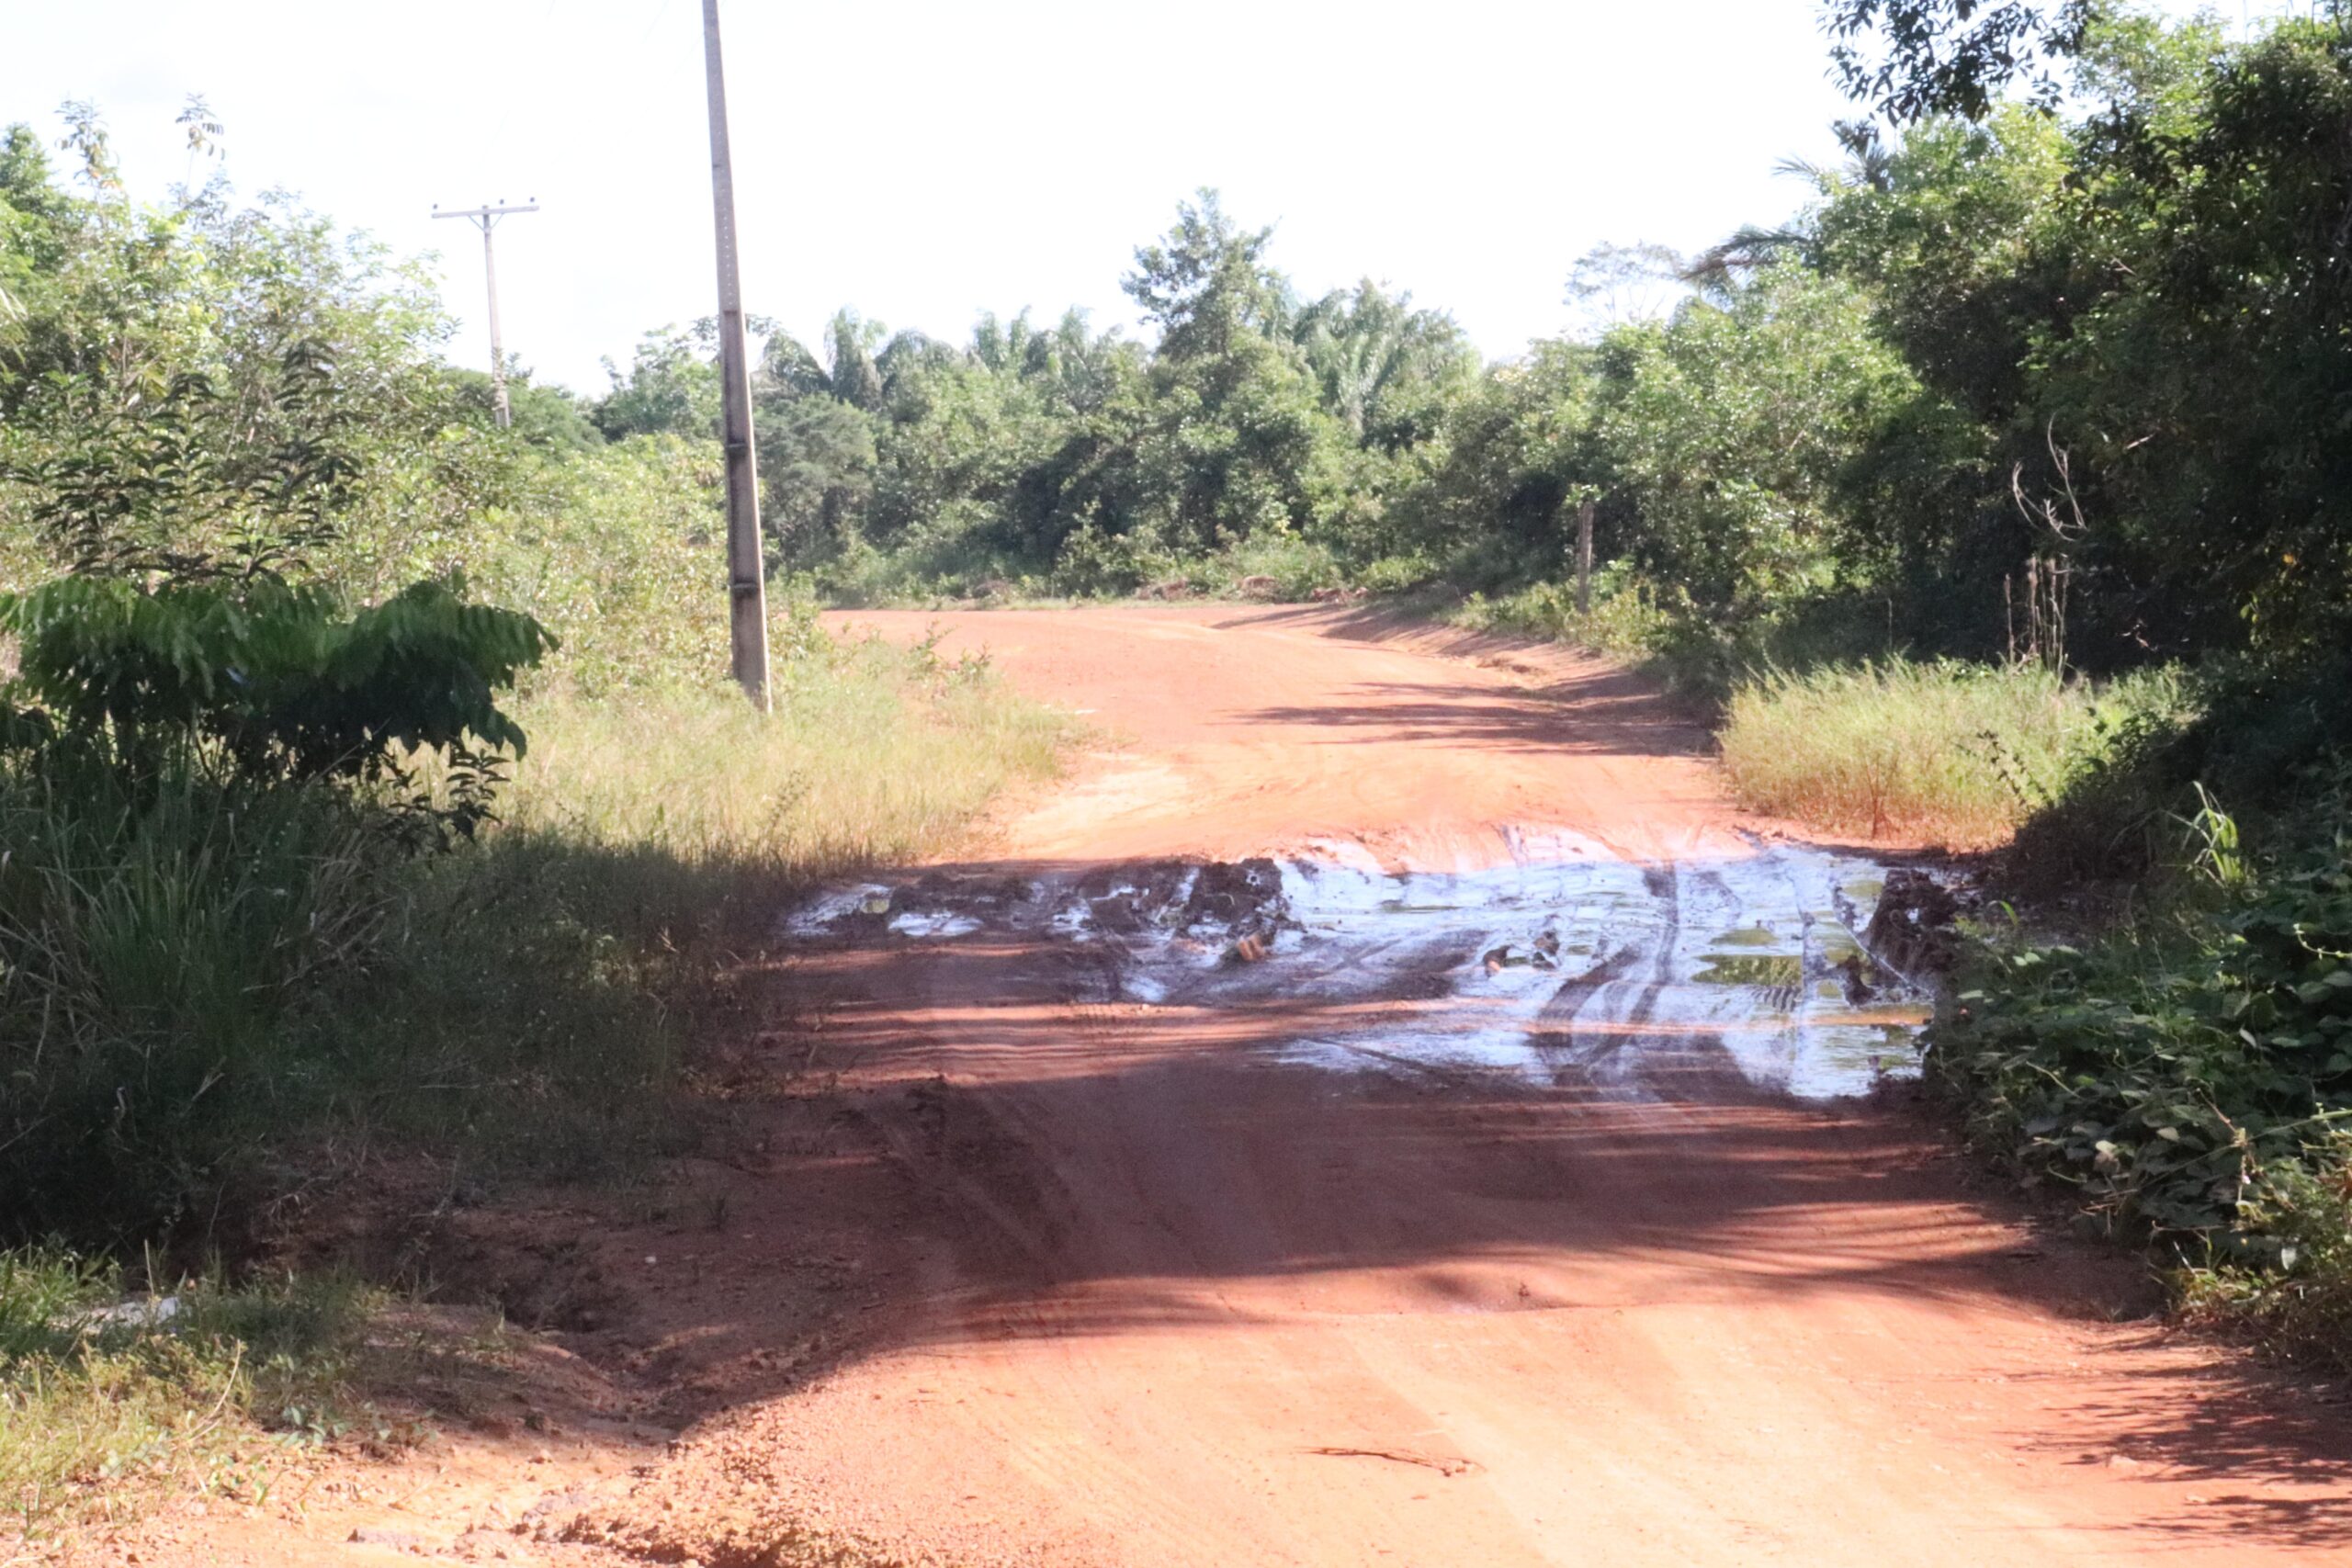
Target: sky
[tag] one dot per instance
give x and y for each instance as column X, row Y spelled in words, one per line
column 923, row 163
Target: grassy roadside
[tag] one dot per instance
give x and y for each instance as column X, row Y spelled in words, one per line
column 102, row 1396
column 237, row 1006
column 1952, row 753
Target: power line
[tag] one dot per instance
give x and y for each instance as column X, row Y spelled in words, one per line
column 486, row 219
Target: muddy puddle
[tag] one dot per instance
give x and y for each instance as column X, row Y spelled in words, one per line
column 1569, row 963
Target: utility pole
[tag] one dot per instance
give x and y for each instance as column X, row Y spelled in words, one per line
column 487, row 218
column 746, row 576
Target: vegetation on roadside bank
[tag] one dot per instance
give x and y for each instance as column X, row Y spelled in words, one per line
column 370, row 792
column 1957, row 753
column 2150, row 1017
column 2160, row 1027
column 104, row 1396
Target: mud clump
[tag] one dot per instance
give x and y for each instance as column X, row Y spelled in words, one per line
column 944, row 890
column 939, row 903
column 1236, row 893
column 1912, row 929
column 1124, row 899
column 1242, row 900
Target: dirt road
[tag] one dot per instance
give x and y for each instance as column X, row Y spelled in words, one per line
column 1430, row 1191
column 1197, row 1298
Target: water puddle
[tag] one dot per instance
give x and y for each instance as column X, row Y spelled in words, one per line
column 1567, row 962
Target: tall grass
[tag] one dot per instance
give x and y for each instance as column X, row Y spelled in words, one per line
column 199, row 978
column 1955, row 753
column 210, row 993
column 154, row 938
column 873, row 753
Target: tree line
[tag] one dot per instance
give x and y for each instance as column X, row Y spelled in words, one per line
column 2056, row 373
column 2059, row 371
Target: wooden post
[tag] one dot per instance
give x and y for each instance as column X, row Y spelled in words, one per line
column 746, row 573
column 1584, row 557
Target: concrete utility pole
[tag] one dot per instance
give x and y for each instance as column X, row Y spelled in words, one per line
column 746, row 575
column 487, row 218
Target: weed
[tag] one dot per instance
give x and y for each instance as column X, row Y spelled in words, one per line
column 2189, row 1071
column 101, row 1391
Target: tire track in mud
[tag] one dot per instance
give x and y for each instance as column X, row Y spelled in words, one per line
column 1598, row 1055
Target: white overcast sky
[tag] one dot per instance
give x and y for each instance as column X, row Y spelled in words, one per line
column 924, row 162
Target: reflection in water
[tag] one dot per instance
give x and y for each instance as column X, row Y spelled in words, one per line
column 1759, row 954
column 1569, row 961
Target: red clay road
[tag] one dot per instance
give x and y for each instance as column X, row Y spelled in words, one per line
column 1196, row 1305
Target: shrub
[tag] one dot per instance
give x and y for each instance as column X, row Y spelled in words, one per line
column 1626, row 620
column 2184, row 1071
column 269, row 680
column 1298, row 565
column 2301, row 1304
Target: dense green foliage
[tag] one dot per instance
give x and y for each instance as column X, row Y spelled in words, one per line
column 2170, row 1069
column 2186, row 1072
column 1078, row 461
column 270, row 681
column 279, row 604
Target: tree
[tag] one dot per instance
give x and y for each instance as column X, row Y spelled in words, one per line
column 1233, row 440
column 545, row 416
column 817, row 460
column 1911, row 60
column 1611, row 285
column 2142, row 311
column 259, row 372
column 1386, row 370
column 1205, row 286
column 671, row 386
column 1730, row 428
column 1512, row 449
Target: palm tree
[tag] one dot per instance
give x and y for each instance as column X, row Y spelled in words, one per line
column 858, row 373
column 1870, row 165
column 1363, row 345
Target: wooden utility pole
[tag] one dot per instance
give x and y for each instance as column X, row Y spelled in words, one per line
column 1584, row 557
column 487, row 218
column 746, row 575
